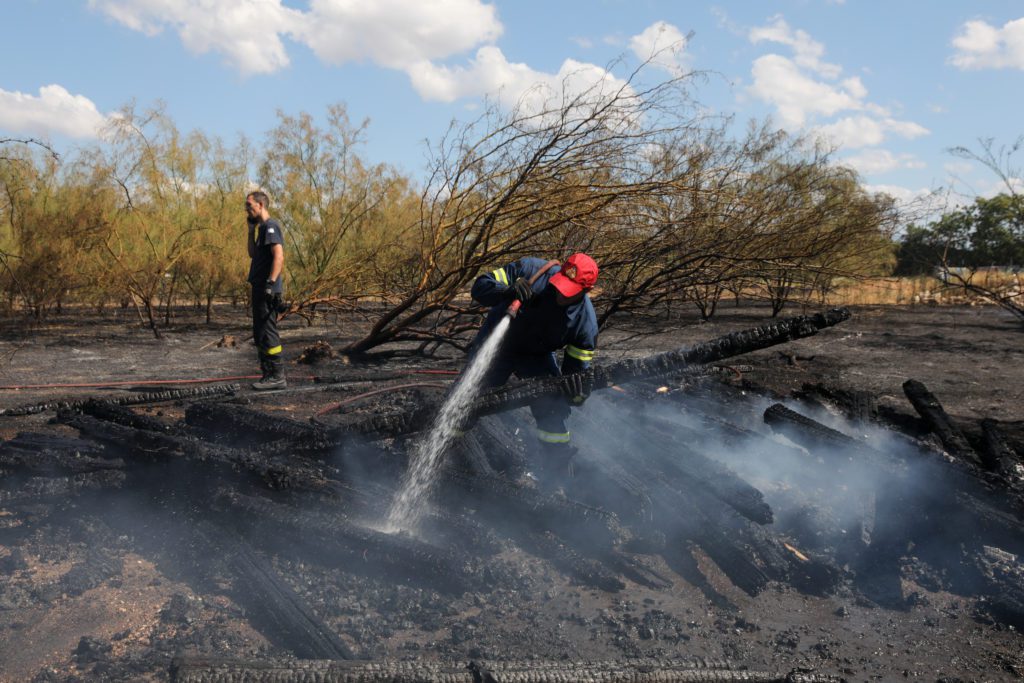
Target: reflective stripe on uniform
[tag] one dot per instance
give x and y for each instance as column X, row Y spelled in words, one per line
column 553, row 437
column 500, row 276
column 580, row 354
column 273, row 351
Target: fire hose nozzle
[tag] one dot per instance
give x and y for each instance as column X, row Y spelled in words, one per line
column 513, row 308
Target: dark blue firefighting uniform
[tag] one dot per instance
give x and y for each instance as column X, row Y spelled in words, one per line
column 264, row 316
column 535, row 334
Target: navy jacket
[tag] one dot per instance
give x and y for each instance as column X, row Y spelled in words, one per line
column 542, row 326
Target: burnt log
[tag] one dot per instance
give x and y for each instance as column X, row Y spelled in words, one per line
column 216, row 670
column 856, row 405
column 273, row 606
column 33, row 453
column 119, row 414
column 273, row 471
column 935, row 417
column 748, row 554
column 241, row 426
column 584, row 570
column 692, row 360
column 683, row 465
column 131, row 400
column 506, row 503
column 1003, row 577
column 998, row 456
column 322, row 535
column 811, row 433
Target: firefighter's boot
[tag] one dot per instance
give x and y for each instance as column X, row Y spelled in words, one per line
column 273, row 377
column 555, row 469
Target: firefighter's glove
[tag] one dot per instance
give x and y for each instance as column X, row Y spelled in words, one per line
column 268, row 289
column 577, row 387
column 521, row 290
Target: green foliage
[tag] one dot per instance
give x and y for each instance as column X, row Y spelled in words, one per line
column 674, row 209
column 989, row 232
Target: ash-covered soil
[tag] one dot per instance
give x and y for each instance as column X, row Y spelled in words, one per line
column 164, row 539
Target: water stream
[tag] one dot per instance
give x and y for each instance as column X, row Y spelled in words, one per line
column 427, row 454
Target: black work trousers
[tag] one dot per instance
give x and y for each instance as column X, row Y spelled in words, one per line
column 264, row 325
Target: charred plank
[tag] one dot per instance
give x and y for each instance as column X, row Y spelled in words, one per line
column 274, row 471
column 239, row 425
column 934, row 415
column 30, row 452
column 213, row 670
column 998, row 456
column 587, row 571
column 282, row 615
column 119, row 414
column 132, row 400
column 326, row 535
column 507, row 502
column 693, row 359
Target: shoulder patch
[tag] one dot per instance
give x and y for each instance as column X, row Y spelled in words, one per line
column 270, row 230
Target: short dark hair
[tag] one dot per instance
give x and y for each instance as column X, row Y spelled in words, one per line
column 261, row 197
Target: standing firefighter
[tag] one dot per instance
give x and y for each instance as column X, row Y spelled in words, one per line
column 266, row 249
column 555, row 313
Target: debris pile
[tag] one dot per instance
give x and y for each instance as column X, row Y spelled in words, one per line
column 281, row 519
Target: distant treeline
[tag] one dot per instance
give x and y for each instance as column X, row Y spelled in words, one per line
column 675, row 208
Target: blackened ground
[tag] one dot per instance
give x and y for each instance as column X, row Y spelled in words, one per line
column 108, row 588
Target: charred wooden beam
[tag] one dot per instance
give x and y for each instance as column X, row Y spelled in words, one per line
column 587, row 571
column 131, row 400
column 695, row 359
column 750, row 555
column 275, row 471
column 934, row 415
column 324, row 535
column 30, row 452
column 998, row 456
column 507, row 502
column 861, row 406
column 215, row 670
column 1003, row 577
column 239, row 425
column 808, row 431
column 274, row 607
column 681, row 463
column 119, row 414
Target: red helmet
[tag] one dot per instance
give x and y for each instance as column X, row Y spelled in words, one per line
column 578, row 274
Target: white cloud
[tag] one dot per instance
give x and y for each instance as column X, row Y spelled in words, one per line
column 807, row 51
column 391, row 33
column 489, row 72
column 961, row 167
column 864, row 131
column 664, row 45
column 924, row 199
column 980, row 45
column 54, row 112
column 248, row 33
column 397, row 33
column 881, row 160
column 780, row 81
column 806, row 90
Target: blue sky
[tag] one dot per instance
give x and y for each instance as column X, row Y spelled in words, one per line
column 893, row 83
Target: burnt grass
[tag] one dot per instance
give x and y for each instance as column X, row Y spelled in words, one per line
column 246, row 526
